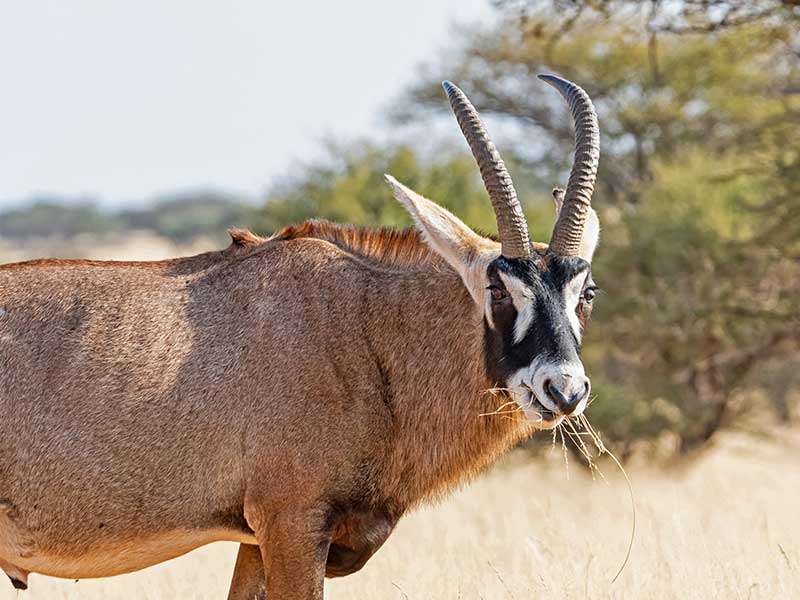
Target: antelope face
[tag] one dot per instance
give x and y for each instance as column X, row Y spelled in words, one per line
column 535, row 311
column 535, row 300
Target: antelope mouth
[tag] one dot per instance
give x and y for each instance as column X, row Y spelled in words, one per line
column 538, row 413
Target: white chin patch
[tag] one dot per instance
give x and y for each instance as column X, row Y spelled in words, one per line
column 533, row 410
column 572, row 296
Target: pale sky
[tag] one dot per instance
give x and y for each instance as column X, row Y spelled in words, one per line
column 122, row 101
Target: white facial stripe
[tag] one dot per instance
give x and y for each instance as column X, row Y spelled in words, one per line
column 572, row 295
column 520, row 296
column 524, row 320
column 487, row 308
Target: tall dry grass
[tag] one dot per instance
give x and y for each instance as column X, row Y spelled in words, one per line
column 725, row 525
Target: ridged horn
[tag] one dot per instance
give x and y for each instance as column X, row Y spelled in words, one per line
column 511, row 225
column 568, row 230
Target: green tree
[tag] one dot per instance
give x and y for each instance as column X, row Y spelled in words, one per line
column 348, row 187
column 698, row 187
column 698, row 191
column 52, row 217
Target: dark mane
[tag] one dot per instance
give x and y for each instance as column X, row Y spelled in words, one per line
column 384, row 245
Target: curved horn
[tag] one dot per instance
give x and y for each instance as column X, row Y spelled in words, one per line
column 511, row 223
column 568, row 230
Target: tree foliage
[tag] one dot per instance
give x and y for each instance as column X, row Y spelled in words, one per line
column 698, row 191
column 348, row 187
column 178, row 218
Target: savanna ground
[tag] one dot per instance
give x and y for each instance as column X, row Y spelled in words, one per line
column 722, row 525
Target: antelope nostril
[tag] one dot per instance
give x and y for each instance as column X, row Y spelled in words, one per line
column 566, row 393
column 580, row 396
column 555, row 394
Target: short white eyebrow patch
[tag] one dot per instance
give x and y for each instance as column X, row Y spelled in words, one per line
column 521, row 297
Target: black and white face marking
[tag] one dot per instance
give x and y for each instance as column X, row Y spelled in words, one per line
column 535, row 312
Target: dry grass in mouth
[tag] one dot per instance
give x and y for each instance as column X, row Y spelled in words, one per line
column 502, row 410
column 576, row 428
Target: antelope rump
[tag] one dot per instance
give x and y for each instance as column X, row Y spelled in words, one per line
column 296, row 394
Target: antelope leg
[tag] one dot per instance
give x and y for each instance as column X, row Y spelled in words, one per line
column 248, row 575
column 294, row 550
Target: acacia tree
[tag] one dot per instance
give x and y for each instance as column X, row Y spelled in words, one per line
column 699, row 189
column 699, row 186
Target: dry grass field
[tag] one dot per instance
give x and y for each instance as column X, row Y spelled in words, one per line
column 723, row 525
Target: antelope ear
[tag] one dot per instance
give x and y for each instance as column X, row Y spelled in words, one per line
column 591, row 235
column 591, row 231
column 464, row 250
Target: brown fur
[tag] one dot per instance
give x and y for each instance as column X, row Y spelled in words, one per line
column 300, row 392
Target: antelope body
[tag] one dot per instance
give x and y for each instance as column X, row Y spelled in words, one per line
column 296, row 394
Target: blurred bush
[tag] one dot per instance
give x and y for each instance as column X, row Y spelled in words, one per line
column 698, row 192
column 348, row 187
column 51, row 217
column 190, row 215
column 178, row 218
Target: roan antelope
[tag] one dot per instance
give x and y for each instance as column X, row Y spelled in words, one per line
column 296, row 394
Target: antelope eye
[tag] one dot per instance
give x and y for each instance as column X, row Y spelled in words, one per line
column 498, row 293
column 588, row 294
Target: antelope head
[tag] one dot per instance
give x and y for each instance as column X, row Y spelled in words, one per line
column 535, row 298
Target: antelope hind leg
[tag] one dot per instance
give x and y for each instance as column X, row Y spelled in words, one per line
column 248, row 575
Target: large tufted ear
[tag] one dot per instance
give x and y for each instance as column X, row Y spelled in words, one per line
column 466, row 251
column 591, row 231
